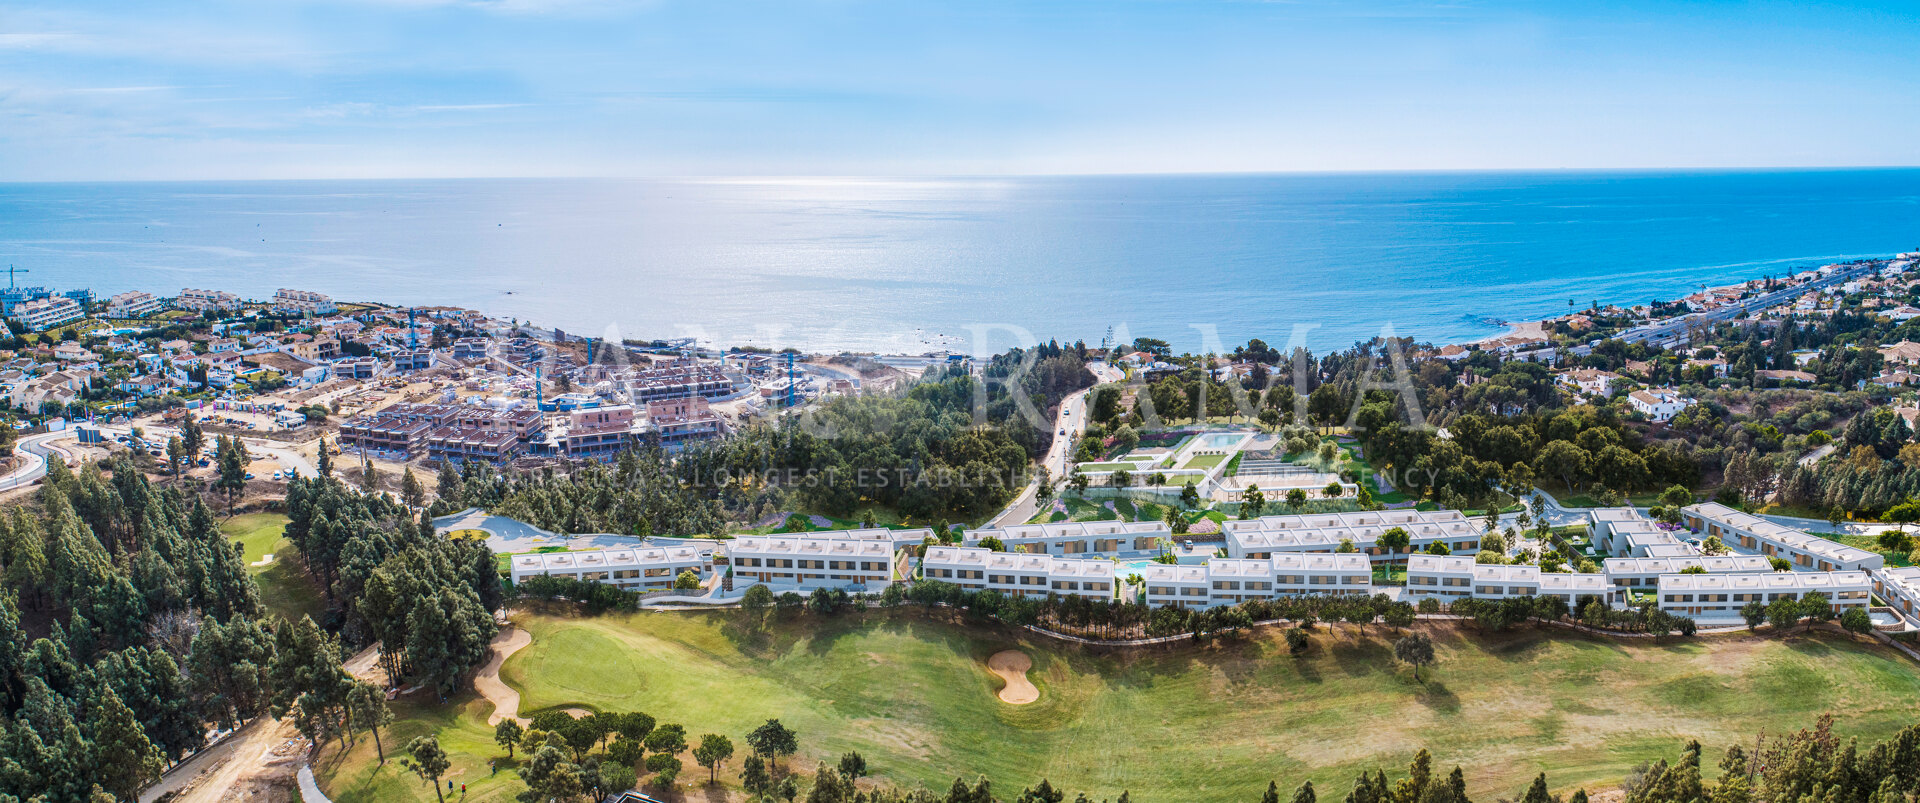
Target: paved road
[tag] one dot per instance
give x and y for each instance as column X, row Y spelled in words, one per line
column 1072, row 419
column 33, row 451
column 1665, row 333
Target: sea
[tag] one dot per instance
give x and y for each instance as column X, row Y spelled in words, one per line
column 973, row 264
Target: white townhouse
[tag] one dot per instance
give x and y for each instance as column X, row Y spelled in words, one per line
column 1017, row 574
column 1443, row 577
column 1646, row 572
column 1900, row 587
column 1574, row 586
column 1623, row 532
column 1721, row 596
column 1106, row 538
column 1298, row 574
column 1751, row 533
column 1449, row 578
column 633, row 568
column 804, row 563
column 1322, row 532
column 1187, row 586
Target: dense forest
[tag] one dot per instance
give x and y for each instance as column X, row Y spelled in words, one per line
column 128, row 624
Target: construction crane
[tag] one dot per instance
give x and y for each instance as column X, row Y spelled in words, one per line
column 791, row 394
column 11, row 270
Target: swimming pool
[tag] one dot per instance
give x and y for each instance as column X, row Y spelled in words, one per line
column 1221, row 440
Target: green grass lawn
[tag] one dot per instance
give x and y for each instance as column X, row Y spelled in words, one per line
column 1171, row 724
column 1205, row 461
column 284, row 589
column 1871, row 544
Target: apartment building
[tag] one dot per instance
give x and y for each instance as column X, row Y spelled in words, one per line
column 1170, row 584
column 471, row 348
column 684, row 420
column 303, row 302
column 42, row 314
column 676, row 381
column 1721, row 596
column 634, row 568
column 410, row 360
column 194, row 300
column 1754, row 534
column 133, row 304
column 800, row 563
column 593, row 433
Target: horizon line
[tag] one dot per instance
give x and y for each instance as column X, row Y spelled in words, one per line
column 744, row 177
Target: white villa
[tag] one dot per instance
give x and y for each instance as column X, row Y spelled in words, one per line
column 1659, row 405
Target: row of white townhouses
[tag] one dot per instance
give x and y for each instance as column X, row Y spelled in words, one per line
column 1279, row 556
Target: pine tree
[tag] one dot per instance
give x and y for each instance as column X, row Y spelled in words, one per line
column 123, row 755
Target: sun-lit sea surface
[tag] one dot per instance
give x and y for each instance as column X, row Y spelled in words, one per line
column 915, row 264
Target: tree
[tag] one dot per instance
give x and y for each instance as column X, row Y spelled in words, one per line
column 1415, row 649
column 757, row 599
column 713, row 750
column 508, row 733
column 1304, row 794
column 324, row 464
column 1857, row 620
column 773, row 740
column 687, row 581
column 1394, row 540
column 1755, row 613
column 368, row 704
column 177, row 457
column 853, row 766
column 1296, row 498
column 670, row 739
column 1251, row 501
column 1189, row 496
column 122, row 753
column 232, row 458
column 192, row 436
column 369, row 479
column 1783, row 613
column 412, row 493
column 427, row 760
column 665, row 768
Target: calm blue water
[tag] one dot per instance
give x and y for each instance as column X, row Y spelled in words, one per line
column 867, row 263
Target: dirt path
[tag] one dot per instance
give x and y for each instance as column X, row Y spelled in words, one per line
column 506, row 701
column 1012, row 666
column 228, row 771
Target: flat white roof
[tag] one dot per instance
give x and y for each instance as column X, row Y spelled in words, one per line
column 1781, row 534
column 1770, row 581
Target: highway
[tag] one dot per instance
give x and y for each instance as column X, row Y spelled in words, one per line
column 1668, row 332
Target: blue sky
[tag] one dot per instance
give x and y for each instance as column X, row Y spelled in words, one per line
column 374, row 88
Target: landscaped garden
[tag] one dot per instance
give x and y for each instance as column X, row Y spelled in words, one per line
column 1171, row 724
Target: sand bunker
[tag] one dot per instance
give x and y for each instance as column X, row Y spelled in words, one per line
column 506, row 701
column 1012, row 666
